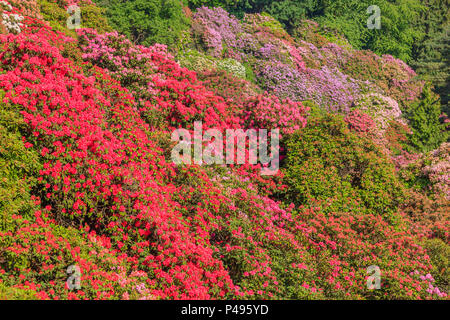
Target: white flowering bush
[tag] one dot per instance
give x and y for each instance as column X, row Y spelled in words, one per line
column 194, row 60
column 382, row 109
column 12, row 21
column 232, row 66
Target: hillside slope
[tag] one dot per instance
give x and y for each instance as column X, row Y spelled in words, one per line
column 87, row 178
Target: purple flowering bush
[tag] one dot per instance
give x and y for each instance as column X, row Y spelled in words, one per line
column 317, row 66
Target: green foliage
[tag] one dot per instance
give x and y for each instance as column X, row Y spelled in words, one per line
column 94, row 17
column 91, row 17
column 439, row 253
column 291, row 12
column 433, row 64
column 55, row 15
column 328, row 162
column 267, row 21
column 11, row 293
column 397, row 34
column 249, row 73
column 18, row 168
column 194, row 4
column 424, row 115
column 432, row 55
column 148, row 21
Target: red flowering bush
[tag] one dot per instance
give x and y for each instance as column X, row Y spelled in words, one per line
column 265, row 111
column 163, row 88
column 346, row 244
column 93, row 173
column 359, row 122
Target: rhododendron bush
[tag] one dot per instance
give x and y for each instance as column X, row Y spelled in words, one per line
column 87, row 180
column 331, row 75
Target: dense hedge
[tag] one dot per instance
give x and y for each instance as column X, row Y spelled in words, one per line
column 326, row 161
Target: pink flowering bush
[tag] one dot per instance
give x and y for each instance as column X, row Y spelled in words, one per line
column 381, row 108
column 265, row 111
column 218, row 30
column 359, row 122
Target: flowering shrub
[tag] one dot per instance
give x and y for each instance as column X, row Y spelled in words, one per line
column 28, row 8
column 345, row 243
column 132, row 65
column 38, row 254
column 332, row 74
column 218, row 30
column 232, row 89
column 326, row 161
column 381, row 108
column 9, row 19
column 85, row 178
column 97, row 153
column 359, row 122
column 157, row 81
column 435, row 166
column 232, row 66
column 94, row 175
column 438, row 170
column 265, row 111
column 196, row 61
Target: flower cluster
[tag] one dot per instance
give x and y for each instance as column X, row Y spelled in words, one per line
column 12, row 21
column 265, row 111
column 359, row 122
column 93, row 170
column 218, row 29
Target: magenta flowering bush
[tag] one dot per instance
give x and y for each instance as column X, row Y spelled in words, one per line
column 133, row 65
column 218, row 29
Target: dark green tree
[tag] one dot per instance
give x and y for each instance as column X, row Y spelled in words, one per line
column 433, row 64
column 432, row 55
column 398, row 31
column 291, row 12
column 194, row 4
column 148, row 21
column 428, row 132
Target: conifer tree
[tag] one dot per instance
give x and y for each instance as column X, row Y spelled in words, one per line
column 428, row 132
